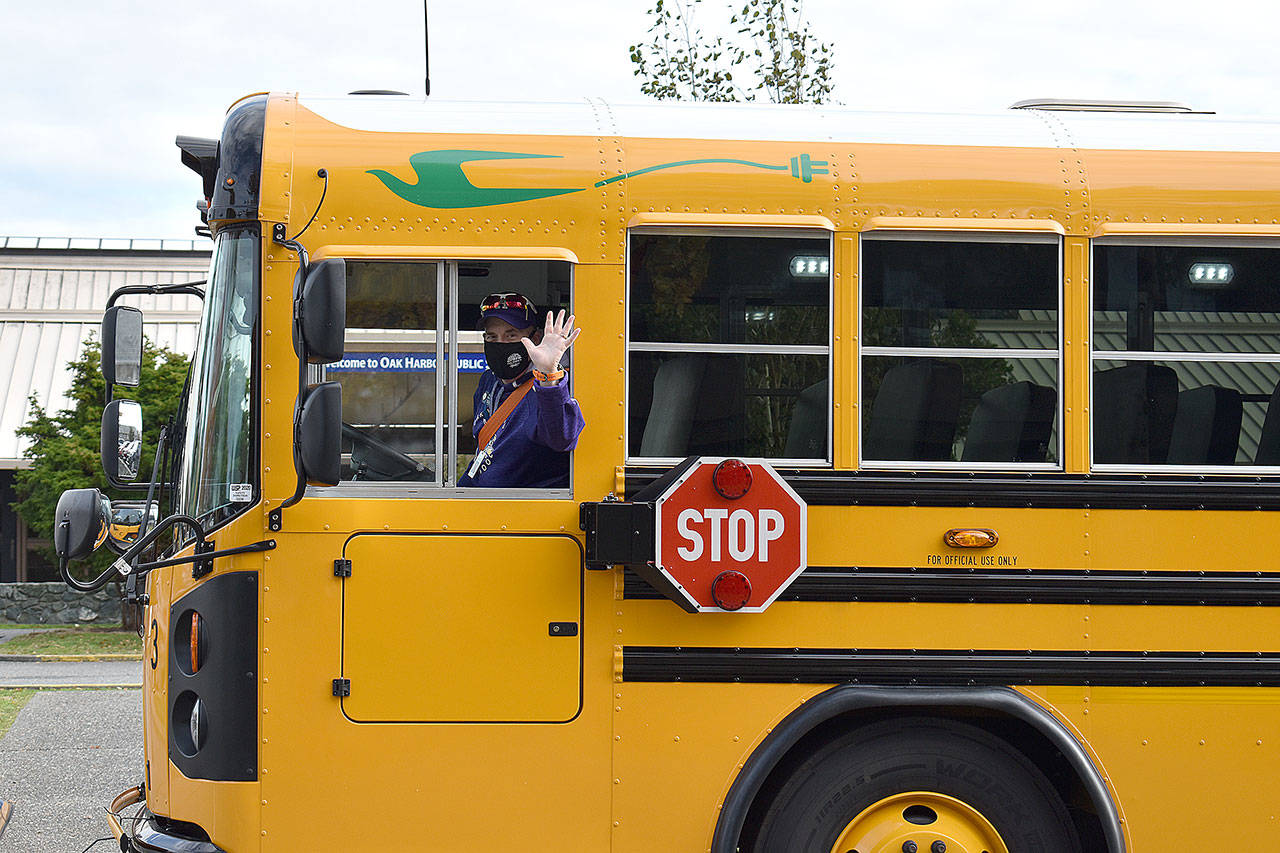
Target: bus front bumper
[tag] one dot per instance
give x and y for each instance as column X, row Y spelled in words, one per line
column 145, row 833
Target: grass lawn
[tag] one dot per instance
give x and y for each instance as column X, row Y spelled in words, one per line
column 11, row 702
column 75, row 641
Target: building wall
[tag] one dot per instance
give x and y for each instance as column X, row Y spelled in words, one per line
column 52, row 295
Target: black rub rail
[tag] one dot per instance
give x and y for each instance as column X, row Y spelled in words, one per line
column 1031, row 489
column 924, row 667
column 1019, row 586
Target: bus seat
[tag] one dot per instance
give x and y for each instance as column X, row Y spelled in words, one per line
column 676, row 390
column 914, row 415
column 719, row 419
column 807, row 435
column 1206, row 429
column 1268, row 452
column 1011, row 423
column 1133, row 412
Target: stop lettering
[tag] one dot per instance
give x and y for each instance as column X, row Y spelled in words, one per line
column 739, row 534
column 701, row 534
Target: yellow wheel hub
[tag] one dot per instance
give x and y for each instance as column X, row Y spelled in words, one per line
column 925, row 822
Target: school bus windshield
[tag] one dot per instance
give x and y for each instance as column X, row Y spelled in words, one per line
column 214, row 471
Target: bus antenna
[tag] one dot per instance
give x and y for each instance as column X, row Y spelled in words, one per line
column 426, row 46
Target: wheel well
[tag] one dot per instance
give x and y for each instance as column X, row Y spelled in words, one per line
column 1019, row 734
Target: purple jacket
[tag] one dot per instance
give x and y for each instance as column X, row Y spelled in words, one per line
column 531, row 448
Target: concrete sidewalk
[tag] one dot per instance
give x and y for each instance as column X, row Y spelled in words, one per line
column 7, row 634
column 68, row 754
column 15, row 673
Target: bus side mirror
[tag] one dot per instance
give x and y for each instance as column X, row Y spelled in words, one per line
column 79, row 523
column 122, row 346
column 322, row 312
column 121, row 441
column 319, row 434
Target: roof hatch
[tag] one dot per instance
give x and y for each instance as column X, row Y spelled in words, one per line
column 1089, row 106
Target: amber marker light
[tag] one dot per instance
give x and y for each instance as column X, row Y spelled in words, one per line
column 731, row 479
column 971, row 537
column 195, row 642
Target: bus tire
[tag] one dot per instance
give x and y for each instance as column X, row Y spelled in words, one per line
column 918, row 780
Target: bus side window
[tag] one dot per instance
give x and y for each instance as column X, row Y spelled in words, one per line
column 548, row 284
column 388, row 372
column 960, row 350
column 729, row 345
column 409, row 374
column 1162, row 310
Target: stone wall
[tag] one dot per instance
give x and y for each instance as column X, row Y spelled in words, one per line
column 58, row 604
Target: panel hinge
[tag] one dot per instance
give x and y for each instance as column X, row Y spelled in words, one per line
column 341, row 687
column 342, row 568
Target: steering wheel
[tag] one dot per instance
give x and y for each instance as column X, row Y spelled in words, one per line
column 373, row 459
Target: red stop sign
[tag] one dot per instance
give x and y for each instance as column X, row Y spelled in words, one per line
column 701, row 535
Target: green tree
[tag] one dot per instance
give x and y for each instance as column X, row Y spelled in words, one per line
column 64, row 447
column 772, row 49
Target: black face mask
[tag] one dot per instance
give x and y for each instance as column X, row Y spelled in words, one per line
column 507, row 361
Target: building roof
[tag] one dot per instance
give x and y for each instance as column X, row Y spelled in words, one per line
column 52, row 295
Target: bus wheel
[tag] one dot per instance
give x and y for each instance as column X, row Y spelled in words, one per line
column 916, row 784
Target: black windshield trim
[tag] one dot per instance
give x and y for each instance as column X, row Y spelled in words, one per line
column 210, row 519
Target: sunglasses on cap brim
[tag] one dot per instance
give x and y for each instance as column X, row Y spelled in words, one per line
column 512, row 301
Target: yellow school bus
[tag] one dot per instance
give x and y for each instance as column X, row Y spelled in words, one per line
column 1017, row 373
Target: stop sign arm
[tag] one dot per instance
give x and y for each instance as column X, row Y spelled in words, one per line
column 621, row 533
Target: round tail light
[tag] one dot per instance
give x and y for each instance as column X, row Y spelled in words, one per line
column 731, row 590
column 189, row 726
column 731, row 479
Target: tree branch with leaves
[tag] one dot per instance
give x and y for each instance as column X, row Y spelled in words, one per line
column 772, row 49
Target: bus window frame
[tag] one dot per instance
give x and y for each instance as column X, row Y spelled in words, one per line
column 1186, row 240
column 447, row 350
column 730, row 230
column 909, row 233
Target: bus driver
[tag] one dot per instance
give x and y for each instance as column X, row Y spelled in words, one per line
column 523, row 443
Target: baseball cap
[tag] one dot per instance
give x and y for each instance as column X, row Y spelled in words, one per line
column 515, row 308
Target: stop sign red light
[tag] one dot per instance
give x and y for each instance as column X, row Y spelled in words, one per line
column 701, row 534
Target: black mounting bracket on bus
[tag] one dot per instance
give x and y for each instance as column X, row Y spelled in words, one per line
column 319, row 329
column 621, row 532
column 618, row 532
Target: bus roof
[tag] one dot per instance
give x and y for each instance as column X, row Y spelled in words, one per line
column 1014, row 128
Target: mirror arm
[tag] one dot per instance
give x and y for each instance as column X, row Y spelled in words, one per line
column 64, row 568
column 264, row 545
column 304, row 261
column 190, row 288
column 138, row 569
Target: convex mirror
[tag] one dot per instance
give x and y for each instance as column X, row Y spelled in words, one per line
column 80, row 523
column 122, row 346
column 126, row 523
column 122, row 441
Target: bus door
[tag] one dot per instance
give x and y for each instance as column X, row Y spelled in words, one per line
column 461, row 608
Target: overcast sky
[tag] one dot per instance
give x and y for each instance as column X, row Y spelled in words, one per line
column 94, row 92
